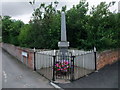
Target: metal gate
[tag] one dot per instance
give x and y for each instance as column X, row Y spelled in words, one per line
column 63, row 67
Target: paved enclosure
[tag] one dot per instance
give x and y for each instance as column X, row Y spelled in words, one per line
column 78, row 72
column 84, row 63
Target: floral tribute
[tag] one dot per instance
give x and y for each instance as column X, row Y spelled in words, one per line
column 62, row 67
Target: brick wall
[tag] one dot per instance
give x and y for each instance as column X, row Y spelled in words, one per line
column 17, row 52
column 107, row 57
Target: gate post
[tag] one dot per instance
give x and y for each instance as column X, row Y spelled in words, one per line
column 72, row 68
column 34, row 60
column 53, row 68
column 95, row 58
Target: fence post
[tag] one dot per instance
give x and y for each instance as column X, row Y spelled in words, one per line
column 34, row 60
column 72, row 68
column 53, row 68
column 95, row 58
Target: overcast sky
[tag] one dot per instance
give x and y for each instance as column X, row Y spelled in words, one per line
column 22, row 10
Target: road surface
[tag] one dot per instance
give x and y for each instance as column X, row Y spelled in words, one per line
column 107, row 77
column 17, row 75
column 0, row 69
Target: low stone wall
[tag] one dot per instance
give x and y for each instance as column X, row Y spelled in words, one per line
column 18, row 53
column 107, row 57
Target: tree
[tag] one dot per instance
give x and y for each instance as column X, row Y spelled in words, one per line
column 102, row 24
column 11, row 30
column 6, row 25
column 45, row 26
column 23, row 39
column 76, row 21
column 14, row 31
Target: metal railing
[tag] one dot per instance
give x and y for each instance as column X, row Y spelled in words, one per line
column 66, row 67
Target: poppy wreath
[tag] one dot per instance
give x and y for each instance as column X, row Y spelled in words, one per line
column 62, row 67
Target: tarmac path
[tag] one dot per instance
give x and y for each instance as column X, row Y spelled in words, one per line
column 17, row 75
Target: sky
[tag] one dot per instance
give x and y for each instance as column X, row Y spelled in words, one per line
column 22, row 10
